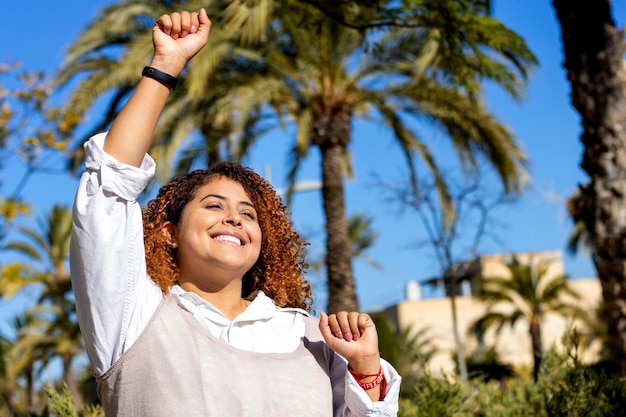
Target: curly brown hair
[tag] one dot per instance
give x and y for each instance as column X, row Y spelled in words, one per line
column 279, row 270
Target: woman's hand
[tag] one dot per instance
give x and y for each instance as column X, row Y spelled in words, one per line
column 178, row 37
column 352, row 335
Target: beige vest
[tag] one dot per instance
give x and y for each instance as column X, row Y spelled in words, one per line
column 177, row 368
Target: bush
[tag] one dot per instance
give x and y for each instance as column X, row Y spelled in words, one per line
column 62, row 405
column 565, row 388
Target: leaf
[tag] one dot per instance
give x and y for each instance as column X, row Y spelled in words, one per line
column 13, row 279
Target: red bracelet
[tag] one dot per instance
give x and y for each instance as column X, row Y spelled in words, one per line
column 379, row 380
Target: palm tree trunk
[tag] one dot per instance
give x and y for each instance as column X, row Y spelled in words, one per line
column 341, row 286
column 594, row 52
column 29, row 373
column 537, row 346
column 213, row 154
column 331, row 134
column 460, row 351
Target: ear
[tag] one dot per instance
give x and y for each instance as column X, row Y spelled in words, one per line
column 169, row 231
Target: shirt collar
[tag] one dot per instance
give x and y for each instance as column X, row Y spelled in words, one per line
column 262, row 307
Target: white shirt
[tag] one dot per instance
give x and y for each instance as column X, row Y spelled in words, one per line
column 115, row 298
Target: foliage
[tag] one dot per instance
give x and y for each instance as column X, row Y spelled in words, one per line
column 528, row 294
column 458, row 26
column 61, row 404
column 48, row 330
column 569, row 388
column 362, row 237
column 33, row 134
column 484, row 364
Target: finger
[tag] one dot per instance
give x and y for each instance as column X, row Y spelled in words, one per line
column 325, row 329
column 344, row 324
column 353, row 322
column 194, row 22
column 204, row 23
column 334, row 326
column 175, row 33
column 164, row 22
column 365, row 321
column 185, row 24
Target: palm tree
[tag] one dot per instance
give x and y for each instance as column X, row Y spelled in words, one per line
column 322, row 76
column 7, row 380
column 48, row 335
column 528, row 295
column 26, row 361
column 362, row 237
column 51, row 330
column 593, row 47
column 296, row 65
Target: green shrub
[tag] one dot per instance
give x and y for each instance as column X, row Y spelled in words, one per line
column 566, row 387
column 61, row 405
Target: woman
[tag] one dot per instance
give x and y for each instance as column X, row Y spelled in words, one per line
column 201, row 308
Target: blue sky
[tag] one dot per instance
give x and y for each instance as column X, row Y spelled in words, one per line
column 544, row 122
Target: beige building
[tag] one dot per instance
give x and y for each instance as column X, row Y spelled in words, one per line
column 428, row 306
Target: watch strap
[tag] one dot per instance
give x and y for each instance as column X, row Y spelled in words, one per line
column 160, row 76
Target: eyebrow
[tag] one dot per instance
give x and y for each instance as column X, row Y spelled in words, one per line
column 221, row 197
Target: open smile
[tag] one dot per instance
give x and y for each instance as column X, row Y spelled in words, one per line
column 228, row 238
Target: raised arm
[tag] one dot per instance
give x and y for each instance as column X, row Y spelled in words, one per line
column 177, row 38
column 114, row 296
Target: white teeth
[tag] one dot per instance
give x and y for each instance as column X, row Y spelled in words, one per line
column 228, row 238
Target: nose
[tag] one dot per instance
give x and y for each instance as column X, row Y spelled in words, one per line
column 233, row 218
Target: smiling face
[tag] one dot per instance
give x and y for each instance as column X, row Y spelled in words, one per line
column 218, row 237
